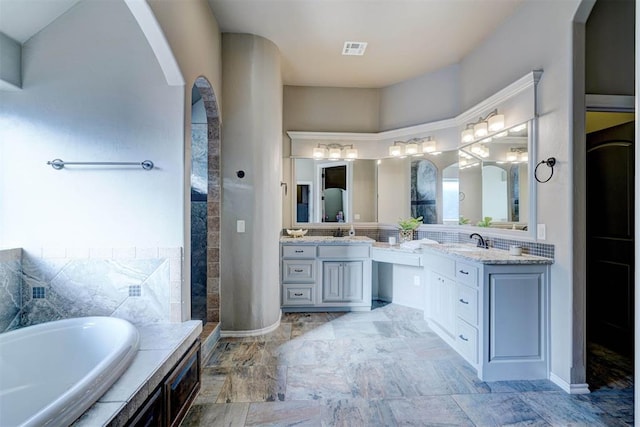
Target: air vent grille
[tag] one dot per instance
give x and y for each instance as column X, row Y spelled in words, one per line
column 354, row 48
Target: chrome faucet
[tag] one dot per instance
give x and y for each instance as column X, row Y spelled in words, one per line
column 482, row 243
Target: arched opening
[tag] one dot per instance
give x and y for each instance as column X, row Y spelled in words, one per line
column 205, row 204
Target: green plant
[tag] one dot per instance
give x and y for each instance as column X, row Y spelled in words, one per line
column 463, row 220
column 486, row 222
column 410, row 223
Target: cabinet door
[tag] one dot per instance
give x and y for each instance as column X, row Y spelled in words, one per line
column 352, row 282
column 444, row 299
column 332, row 281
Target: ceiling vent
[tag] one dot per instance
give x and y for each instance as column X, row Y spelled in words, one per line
column 354, row 48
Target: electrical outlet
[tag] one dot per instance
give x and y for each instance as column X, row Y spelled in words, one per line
column 416, row 280
column 240, row 226
column 542, row 231
column 356, row 216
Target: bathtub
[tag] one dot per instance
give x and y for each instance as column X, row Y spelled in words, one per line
column 53, row 372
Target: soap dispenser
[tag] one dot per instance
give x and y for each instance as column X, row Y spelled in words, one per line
column 352, row 232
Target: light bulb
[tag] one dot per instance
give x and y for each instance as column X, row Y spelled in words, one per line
column 496, row 122
column 411, row 148
column 395, row 150
column 334, row 153
column 351, row 153
column 467, row 135
column 480, row 130
column 318, row 152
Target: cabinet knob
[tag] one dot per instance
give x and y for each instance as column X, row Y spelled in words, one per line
column 298, row 294
column 463, row 338
column 463, row 301
column 463, row 272
column 299, row 251
column 298, row 270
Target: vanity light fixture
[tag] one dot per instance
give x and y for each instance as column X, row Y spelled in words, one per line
column 334, row 151
column 467, row 134
column 524, row 157
column 411, row 148
column 492, row 122
column 395, row 150
column 429, row 146
column 517, row 154
column 512, row 157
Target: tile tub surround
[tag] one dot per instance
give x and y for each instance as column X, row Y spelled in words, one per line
column 10, row 288
column 379, row 368
column 141, row 285
column 161, row 346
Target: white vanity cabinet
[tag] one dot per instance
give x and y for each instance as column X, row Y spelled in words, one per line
column 494, row 315
column 326, row 276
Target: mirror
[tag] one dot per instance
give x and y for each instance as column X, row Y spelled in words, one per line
column 484, row 179
column 335, row 191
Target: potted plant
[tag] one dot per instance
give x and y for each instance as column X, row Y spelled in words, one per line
column 407, row 228
column 486, row 222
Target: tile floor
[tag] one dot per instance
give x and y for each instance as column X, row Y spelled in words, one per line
column 381, row 368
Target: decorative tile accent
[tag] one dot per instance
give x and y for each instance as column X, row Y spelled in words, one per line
column 37, row 292
column 105, row 282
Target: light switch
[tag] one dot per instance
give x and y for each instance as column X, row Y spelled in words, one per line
column 356, row 216
column 240, row 226
column 542, row 231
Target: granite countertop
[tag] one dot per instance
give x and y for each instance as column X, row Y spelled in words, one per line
column 326, row 240
column 161, row 346
column 471, row 252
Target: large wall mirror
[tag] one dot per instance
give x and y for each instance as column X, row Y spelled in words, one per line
column 485, row 184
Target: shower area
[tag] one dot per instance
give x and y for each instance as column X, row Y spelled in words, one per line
column 205, row 204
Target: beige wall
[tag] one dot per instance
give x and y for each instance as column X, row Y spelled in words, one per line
column 251, row 142
column 394, row 177
column 364, row 193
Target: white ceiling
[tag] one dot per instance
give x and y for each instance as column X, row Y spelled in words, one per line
column 406, row 38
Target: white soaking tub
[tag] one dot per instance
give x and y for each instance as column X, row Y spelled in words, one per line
column 53, row 372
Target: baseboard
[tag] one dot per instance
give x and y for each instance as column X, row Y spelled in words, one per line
column 569, row 388
column 254, row 332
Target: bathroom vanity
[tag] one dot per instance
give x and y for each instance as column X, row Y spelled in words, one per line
column 320, row 273
column 491, row 307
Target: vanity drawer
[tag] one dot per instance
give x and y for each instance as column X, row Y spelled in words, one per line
column 467, row 305
column 343, row 251
column 297, row 294
column 294, row 270
column 467, row 341
column 292, row 251
column 441, row 265
column 466, row 273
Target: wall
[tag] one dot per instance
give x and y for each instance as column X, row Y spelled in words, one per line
column 252, row 142
column 10, row 63
column 610, row 70
column 324, row 109
column 392, row 175
column 427, row 98
column 91, row 94
column 515, row 48
column 195, row 39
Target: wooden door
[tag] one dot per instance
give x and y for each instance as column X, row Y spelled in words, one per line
column 610, row 237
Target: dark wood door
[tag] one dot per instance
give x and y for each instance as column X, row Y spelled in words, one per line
column 610, row 241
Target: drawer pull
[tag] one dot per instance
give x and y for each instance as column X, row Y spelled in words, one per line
column 298, row 270
column 464, row 272
column 463, row 301
column 298, row 294
column 299, row 251
column 463, row 338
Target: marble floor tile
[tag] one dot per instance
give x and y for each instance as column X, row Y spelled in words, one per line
column 254, row 384
column 351, row 413
column 294, row 413
column 401, row 329
column 312, row 331
column 219, row 415
column 318, row 382
column 355, row 330
column 236, row 353
column 560, row 408
column 427, row 411
column 385, row 368
column 211, row 383
column 499, row 410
